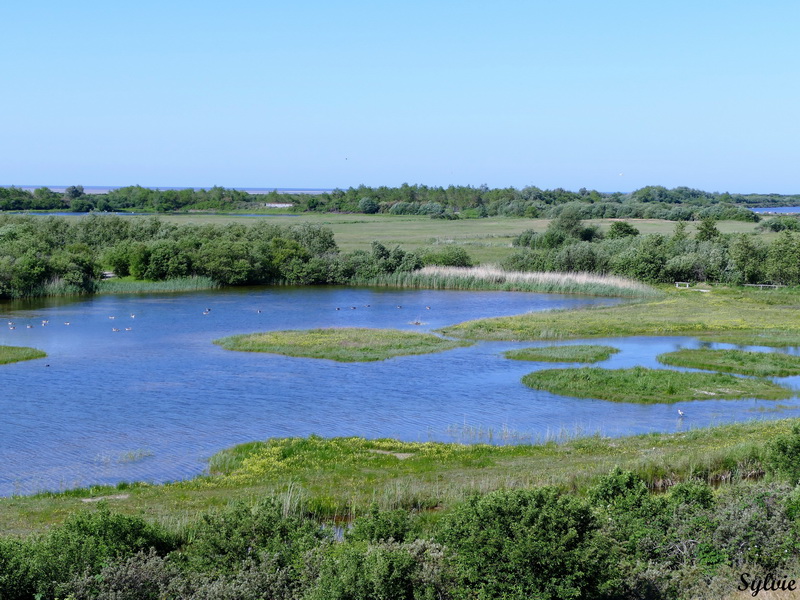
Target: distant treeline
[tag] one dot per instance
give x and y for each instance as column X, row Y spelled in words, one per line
column 52, row 255
column 652, row 202
column 568, row 245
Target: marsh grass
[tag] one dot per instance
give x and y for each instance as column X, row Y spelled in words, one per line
column 679, row 312
column 759, row 364
column 582, row 353
column 343, row 477
column 773, row 338
column 136, row 286
column 11, row 354
column 347, row 344
column 650, row 386
column 493, row 278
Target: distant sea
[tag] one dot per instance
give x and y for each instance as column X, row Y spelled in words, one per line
column 104, row 189
column 783, row 210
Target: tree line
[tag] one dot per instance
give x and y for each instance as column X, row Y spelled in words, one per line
column 52, row 255
column 657, row 202
column 708, row 255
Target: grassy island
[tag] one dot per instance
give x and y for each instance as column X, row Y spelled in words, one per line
column 583, row 353
column 760, row 364
column 737, row 311
column 10, row 354
column 347, row 344
column 650, row 386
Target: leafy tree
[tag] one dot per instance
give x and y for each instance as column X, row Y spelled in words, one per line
column 620, row 229
column 707, row 230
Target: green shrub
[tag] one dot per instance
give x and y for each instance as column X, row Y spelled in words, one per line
column 381, row 525
column 526, row 544
column 783, row 455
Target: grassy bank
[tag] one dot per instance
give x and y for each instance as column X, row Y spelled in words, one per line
column 494, row 278
column 650, row 386
column 583, row 353
column 350, row 344
column 11, row 354
column 773, row 338
column 129, row 285
column 740, row 311
column 344, row 476
column 759, row 364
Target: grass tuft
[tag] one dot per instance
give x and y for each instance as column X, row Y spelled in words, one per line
column 136, row 286
column 347, row 344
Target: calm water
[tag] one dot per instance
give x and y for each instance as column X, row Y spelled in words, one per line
column 778, row 209
column 155, row 402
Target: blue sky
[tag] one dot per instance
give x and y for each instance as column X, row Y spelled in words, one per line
column 610, row 95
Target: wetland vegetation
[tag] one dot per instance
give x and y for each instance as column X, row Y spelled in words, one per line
column 580, row 353
column 10, row 354
column 647, row 386
column 261, row 525
column 345, row 344
column 758, row 364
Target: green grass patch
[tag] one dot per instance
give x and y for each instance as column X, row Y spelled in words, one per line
column 129, row 285
column 11, row 354
column 678, row 312
column 651, row 386
column 347, row 344
column 584, row 353
column 760, row 364
column 342, row 477
column 771, row 338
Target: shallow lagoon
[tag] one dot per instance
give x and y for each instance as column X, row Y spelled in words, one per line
column 155, row 402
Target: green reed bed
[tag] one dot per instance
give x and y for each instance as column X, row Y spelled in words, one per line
column 582, row 353
column 346, row 344
column 678, row 312
column 493, row 278
column 760, row 364
column 133, row 286
column 11, row 354
column 650, row 386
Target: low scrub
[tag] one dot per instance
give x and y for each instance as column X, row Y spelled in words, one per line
column 650, row 386
column 347, row 344
column 582, row 353
column 759, row 364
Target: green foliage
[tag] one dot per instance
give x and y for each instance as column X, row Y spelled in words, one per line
column 620, row 229
column 10, row 354
column 707, row 230
column 527, row 544
column 783, row 455
column 447, row 256
column 378, row 526
column 223, row 540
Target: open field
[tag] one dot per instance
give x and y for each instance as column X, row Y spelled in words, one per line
column 652, row 386
column 486, row 240
column 344, row 476
column 679, row 312
column 759, row 364
column 582, row 353
column 350, row 344
column 10, row 354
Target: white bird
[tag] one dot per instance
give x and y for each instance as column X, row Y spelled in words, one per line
column 681, row 413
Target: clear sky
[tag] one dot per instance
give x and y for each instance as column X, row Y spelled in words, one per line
column 607, row 95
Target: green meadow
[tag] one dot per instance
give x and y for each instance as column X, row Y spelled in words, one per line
column 581, row 353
